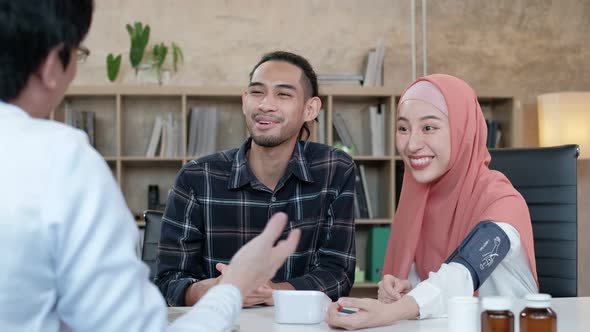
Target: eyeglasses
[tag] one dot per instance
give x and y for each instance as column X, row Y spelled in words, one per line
column 82, row 52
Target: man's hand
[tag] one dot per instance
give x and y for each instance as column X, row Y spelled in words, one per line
column 392, row 289
column 198, row 289
column 261, row 295
column 258, row 261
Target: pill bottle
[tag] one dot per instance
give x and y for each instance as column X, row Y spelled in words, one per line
column 538, row 316
column 496, row 315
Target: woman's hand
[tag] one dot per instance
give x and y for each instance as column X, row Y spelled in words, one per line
column 371, row 313
column 392, row 289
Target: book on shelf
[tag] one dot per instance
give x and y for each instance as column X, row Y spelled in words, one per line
column 83, row 120
column 165, row 137
column 343, row 132
column 376, row 247
column 139, row 244
column 374, row 65
column 370, row 69
column 171, row 135
column 361, row 207
column 377, row 121
column 202, row 131
column 366, row 191
column 322, row 126
column 380, row 49
column 341, row 79
column 155, row 138
column 494, row 134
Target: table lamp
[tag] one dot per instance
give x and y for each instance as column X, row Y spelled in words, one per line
column 564, row 118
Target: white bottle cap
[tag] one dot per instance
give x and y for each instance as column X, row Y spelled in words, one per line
column 463, row 313
column 538, row 300
column 498, row 303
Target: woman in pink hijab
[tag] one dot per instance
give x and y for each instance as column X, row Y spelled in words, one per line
column 460, row 228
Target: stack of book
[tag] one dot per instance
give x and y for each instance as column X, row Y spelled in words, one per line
column 83, row 120
column 202, row 131
column 344, row 136
column 362, row 204
column 165, row 139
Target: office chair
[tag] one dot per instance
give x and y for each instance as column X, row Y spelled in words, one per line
column 547, row 179
column 149, row 252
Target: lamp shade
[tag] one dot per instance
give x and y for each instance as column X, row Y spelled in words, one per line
column 564, row 118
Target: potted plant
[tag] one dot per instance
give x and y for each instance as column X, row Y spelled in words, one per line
column 159, row 54
column 147, row 69
column 113, row 66
column 140, row 37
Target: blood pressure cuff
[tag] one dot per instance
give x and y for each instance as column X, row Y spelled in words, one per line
column 481, row 251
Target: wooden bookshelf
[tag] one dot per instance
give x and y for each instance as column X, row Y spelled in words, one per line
column 125, row 114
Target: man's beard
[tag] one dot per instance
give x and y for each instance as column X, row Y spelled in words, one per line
column 268, row 141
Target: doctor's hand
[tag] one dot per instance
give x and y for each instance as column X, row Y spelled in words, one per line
column 261, row 295
column 258, row 261
column 392, row 289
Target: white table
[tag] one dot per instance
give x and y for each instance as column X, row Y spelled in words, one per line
column 573, row 315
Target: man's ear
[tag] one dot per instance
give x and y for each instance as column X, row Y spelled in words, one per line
column 51, row 69
column 244, row 95
column 312, row 108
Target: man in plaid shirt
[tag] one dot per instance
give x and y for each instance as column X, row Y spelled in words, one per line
column 221, row 201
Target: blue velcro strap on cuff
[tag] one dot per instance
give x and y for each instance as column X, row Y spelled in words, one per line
column 481, row 251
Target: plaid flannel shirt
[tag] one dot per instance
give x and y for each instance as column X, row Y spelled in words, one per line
column 217, row 205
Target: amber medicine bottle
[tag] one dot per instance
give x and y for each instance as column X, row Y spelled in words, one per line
column 497, row 316
column 538, row 316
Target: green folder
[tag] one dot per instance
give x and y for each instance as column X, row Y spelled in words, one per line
column 376, row 246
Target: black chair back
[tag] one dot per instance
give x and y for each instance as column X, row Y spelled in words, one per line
column 149, row 252
column 547, row 179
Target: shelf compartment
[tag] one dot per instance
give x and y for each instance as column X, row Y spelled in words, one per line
column 231, row 129
column 356, row 115
column 138, row 117
column 136, row 177
column 105, row 119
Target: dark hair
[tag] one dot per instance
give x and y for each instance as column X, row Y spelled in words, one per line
column 29, row 29
column 309, row 79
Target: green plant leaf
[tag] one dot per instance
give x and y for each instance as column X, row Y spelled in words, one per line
column 130, row 30
column 113, row 66
column 145, row 36
column 177, row 56
column 159, row 52
column 139, row 37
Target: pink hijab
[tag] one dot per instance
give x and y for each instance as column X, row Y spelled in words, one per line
column 432, row 219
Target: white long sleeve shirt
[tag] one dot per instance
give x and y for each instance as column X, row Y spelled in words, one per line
column 512, row 277
column 67, row 241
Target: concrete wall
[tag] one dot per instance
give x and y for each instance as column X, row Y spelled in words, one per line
column 515, row 47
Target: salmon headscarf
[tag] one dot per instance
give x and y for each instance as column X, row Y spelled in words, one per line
column 432, row 219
